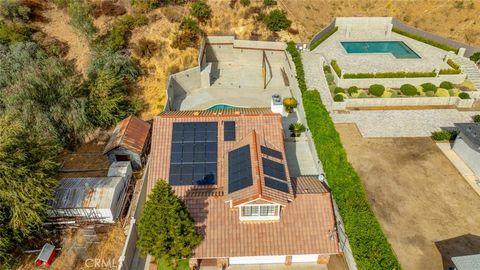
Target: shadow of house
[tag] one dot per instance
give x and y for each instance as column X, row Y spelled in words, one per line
column 467, row 244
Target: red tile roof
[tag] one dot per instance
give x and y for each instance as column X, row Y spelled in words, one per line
column 131, row 133
column 307, row 222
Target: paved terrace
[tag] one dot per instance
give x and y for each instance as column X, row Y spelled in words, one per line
column 431, row 57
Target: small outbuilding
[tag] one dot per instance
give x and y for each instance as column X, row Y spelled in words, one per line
column 46, row 255
column 99, row 199
column 129, row 142
column 467, row 145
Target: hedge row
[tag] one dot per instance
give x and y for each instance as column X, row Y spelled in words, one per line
column 400, row 74
column 335, row 67
column 426, row 40
column 370, row 247
column 323, row 38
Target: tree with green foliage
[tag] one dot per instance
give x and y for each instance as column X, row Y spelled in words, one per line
column 189, row 34
column 475, row 57
column 117, row 38
column 201, row 10
column 277, row 20
column 269, row 2
column 144, row 5
column 14, row 10
column 110, row 74
column 166, row 229
column 43, row 91
column 28, row 165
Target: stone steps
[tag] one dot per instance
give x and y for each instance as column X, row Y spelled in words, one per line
column 470, row 69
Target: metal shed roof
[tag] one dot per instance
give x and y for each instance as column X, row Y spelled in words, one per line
column 94, row 192
column 468, row 262
column 131, row 133
column 471, row 131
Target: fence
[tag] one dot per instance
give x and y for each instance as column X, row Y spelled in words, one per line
column 322, row 32
column 343, row 239
column 129, row 249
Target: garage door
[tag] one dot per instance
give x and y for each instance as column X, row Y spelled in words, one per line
column 304, row 258
column 257, row 260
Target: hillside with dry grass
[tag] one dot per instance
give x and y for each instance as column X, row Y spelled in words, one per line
column 458, row 20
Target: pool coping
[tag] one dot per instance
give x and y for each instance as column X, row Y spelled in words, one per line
column 390, row 55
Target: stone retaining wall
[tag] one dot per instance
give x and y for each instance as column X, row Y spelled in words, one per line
column 414, row 101
column 397, row 82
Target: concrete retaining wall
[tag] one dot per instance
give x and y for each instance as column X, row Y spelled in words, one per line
column 321, row 33
column 397, row 82
column 363, row 23
column 180, row 83
column 414, row 101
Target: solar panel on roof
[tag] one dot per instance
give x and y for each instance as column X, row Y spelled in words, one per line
column 193, row 158
column 239, row 169
column 278, row 185
column 229, row 131
column 274, row 169
column 271, row 152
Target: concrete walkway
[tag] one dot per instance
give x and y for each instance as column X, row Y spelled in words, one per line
column 315, row 78
column 472, row 179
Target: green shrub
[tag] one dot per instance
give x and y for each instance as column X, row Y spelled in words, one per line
column 14, row 9
column 408, row 90
column 362, row 94
column 245, row 3
column 338, row 90
column 468, row 85
column 117, row 38
column 464, row 95
column 323, row 38
column 13, row 32
column 430, row 93
column 476, row 118
column 330, row 78
column 296, row 129
column 80, row 19
column 327, row 69
column 376, row 90
column 452, row 63
column 442, row 92
column 425, row 40
column 449, row 71
column 144, row 5
column 338, row 98
column 475, row 57
column 201, row 10
column 351, row 90
column 297, row 60
column 429, row 87
column 269, row 2
column 277, row 20
column 387, row 94
column 454, row 92
column 446, row 85
column 335, row 67
column 444, row 135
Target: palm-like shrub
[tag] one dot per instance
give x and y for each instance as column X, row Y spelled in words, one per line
column 290, row 103
column 376, row 90
column 408, row 90
column 296, row 129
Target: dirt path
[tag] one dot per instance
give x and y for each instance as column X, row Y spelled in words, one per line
column 424, row 205
column 58, row 27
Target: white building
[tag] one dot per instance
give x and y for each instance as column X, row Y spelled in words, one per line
column 93, row 198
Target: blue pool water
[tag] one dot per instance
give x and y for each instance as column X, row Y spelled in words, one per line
column 398, row 48
column 221, row 106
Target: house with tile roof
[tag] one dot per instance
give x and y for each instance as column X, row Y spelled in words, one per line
column 229, row 166
column 129, row 142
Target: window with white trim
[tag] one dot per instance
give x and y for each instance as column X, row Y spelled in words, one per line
column 268, row 210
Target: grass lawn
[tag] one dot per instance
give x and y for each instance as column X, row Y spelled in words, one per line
column 182, row 265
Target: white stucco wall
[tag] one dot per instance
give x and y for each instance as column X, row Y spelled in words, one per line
column 462, row 147
column 257, row 260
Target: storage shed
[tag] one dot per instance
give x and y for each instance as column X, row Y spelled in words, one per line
column 467, row 145
column 93, row 198
column 129, row 142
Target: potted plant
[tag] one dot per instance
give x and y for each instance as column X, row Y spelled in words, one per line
column 290, row 103
column 296, row 129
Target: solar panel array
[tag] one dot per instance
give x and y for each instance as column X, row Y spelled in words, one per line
column 193, row 159
column 278, row 185
column 271, row 152
column 229, row 131
column 239, row 169
column 275, row 175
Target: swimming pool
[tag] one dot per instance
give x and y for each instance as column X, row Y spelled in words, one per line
column 221, row 106
column 398, row 48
